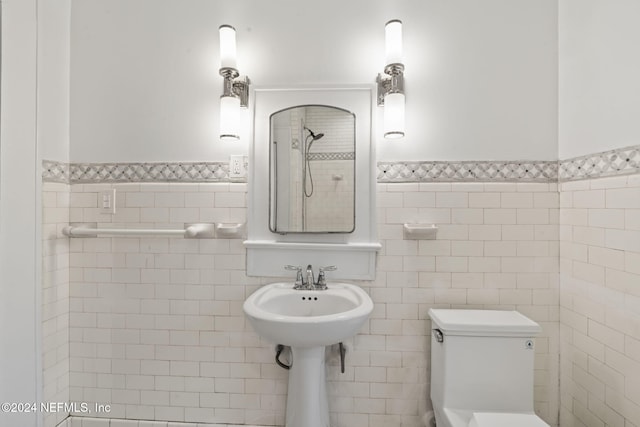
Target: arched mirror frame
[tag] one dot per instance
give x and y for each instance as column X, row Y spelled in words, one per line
column 353, row 253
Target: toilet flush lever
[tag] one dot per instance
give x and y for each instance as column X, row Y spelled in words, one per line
column 438, row 335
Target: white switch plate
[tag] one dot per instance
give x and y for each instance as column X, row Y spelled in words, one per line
column 237, row 166
column 107, row 201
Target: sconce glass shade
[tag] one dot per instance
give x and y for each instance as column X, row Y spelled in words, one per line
column 229, row 118
column 394, row 115
column 227, row 47
column 393, row 42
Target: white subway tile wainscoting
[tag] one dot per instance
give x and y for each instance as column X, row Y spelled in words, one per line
column 154, row 327
column 55, row 298
column 156, row 323
column 600, row 301
column 105, row 422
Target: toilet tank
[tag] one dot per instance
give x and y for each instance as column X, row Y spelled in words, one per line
column 482, row 360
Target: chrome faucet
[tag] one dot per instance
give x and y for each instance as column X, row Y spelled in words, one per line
column 310, row 280
column 321, row 285
column 299, row 284
column 310, row 284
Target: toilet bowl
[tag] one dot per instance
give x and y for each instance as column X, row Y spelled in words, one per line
column 482, row 368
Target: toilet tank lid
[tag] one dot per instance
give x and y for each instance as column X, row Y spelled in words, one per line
column 483, row 323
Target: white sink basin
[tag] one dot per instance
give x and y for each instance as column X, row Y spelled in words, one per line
column 307, row 321
column 300, row 318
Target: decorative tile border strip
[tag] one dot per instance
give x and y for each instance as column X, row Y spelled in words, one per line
column 136, row 172
column 55, row 171
column 333, row 156
column 621, row 161
column 525, row 171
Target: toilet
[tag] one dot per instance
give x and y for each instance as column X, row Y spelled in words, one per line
column 482, row 368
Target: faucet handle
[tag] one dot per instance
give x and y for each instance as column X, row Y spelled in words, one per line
column 322, row 282
column 299, row 280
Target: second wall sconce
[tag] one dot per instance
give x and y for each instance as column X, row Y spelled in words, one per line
column 391, row 83
column 235, row 89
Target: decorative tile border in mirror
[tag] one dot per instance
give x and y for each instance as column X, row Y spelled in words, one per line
column 332, row 156
column 622, row 161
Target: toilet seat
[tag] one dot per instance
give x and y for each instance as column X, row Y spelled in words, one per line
column 505, row 419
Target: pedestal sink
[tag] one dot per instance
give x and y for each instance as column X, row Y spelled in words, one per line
column 307, row 321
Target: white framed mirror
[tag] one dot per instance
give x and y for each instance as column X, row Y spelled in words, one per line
column 351, row 246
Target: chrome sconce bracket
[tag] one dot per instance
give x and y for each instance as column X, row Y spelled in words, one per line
column 235, row 85
column 392, row 81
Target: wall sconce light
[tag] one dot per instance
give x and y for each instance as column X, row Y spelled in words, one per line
column 391, row 83
column 235, row 89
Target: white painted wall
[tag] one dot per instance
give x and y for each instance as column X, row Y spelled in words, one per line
column 481, row 77
column 18, row 212
column 599, row 89
column 53, row 78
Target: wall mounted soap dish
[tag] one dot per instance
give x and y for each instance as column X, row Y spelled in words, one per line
column 420, row 231
column 230, row 230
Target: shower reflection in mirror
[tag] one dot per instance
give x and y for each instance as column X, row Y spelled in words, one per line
column 312, row 170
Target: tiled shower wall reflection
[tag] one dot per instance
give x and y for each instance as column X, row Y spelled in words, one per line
column 157, row 328
column 331, row 207
column 600, row 302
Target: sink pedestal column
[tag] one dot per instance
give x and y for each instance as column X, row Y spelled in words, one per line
column 307, row 395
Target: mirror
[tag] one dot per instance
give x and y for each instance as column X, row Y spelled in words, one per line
column 353, row 245
column 312, row 170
